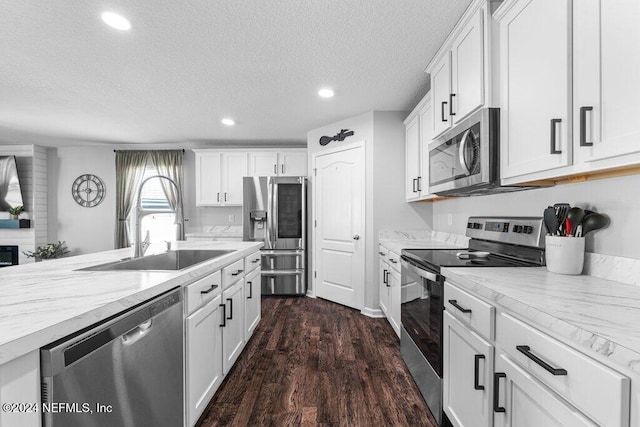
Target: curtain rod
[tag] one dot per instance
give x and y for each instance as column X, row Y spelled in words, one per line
column 115, row 151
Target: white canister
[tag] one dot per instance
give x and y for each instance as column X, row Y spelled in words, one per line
column 564, row 254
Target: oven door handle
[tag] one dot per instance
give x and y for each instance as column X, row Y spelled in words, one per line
column 420, row 272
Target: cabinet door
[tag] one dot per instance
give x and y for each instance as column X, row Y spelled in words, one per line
column 467, row 375
column 467, row 69
column 208, row 183
column 252, row 303
column 263, row 163
column 426, row 136
column 412, row 158
column 394, row 300
column 606, row 83
column 233, row 331
column 535, row 86
column 383, row 286
column 293, row 163
column 441, row 94
column 524, row 401
column 234, row 168
column 203, row 358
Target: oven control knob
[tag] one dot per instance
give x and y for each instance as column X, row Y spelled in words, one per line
column 469, row 225
column 477, row 225
column 528, row 229
column 517, row 229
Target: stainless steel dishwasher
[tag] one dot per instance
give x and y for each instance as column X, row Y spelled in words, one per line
column 126, row 371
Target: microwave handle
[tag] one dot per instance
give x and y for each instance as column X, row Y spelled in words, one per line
column 463, row 144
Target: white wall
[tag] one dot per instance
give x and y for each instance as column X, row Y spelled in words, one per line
column 84, row 229
column 383, row 134
column 616, row 197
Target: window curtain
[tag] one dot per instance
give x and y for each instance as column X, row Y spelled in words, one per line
column 129, row 171
column 169, row 163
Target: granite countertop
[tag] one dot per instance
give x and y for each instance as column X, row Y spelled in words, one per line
column 218, row 231
column 45, row 301
column 594, row 314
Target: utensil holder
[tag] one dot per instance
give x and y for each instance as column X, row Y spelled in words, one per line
column 564, row 254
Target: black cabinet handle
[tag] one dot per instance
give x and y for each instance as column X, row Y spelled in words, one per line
column 209, row 290
column 451, row 113
column 526, row 350
column 218, row 197
column 384, row 276
column 283, row 168
column 236, row 273
column 476, row 372
column 387, row 282
column 454, row 303
column 414, row 185
column 583, row 127
column 393, row 261
column 382, row 253
column 419, row 184
column 554, row 122
column 496, row 391
column 225, row 197
column 230, row 308
column 255, row 261
column 250, row 291
column 275, row 169
column 443, row 104
column 224, row 315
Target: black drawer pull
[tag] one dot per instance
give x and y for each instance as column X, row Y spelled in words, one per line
column 443, row 104
column 236, row 273
column 419, row 184
column 209, row 290
column 224, row 315
column 451, row 113
column 554, row 122
column 250, row 291
column 230, row 308
column 454, row 303
column 413, row 186
column 255, row 261
column 496, row 392
column 583, row 127
column 526, row 350
column 476, row 372
column 384, row 277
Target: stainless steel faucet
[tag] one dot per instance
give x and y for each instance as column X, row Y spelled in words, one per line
column 140, row 246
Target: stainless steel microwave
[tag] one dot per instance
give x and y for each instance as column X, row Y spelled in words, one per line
column 465, row 160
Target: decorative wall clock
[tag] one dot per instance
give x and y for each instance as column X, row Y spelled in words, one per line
column 88, row 190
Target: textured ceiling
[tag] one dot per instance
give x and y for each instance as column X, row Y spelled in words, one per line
column 65, row 77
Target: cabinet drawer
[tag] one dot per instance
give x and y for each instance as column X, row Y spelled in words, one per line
column 252, row 261
column 469, row 310
column 232, row 272
column 394, row 261
column 200, row 292
column 598, row 391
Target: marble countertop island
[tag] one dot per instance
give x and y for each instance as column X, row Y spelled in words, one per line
column 590, row 313
column 45, row 301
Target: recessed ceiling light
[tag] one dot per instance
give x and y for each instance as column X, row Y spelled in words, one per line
column 325, row 93
column 228, row 122
column 116, row 21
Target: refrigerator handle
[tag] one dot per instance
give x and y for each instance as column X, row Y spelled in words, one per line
column 274, row 214
column 269, row 242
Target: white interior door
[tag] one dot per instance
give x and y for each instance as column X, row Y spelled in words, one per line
column 339, row 233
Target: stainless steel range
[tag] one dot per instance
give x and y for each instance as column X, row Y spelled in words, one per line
column 495, row 242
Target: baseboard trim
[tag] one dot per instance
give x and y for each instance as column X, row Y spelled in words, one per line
column 310, row 293
column 372, row 312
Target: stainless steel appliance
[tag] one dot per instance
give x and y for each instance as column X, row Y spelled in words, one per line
column 126, row 371
column 8, row 256
column 495, row 242
column 274, row 212
column 465, row 160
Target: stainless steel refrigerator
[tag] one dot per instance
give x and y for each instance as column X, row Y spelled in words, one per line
column 274, row 212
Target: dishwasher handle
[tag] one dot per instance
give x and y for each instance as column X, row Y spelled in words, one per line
column 138, row 332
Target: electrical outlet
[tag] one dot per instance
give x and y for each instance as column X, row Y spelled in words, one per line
column 449, row 219
column 232, row 218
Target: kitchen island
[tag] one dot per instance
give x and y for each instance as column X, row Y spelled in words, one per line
column 43, row 302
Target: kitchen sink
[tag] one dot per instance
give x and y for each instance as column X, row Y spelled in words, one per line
column 171, row 260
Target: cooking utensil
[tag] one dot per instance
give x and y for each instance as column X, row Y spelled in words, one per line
column 567, row 227
column 562, row 209
column 551, row 220
column 594, row 221
column 575, row 215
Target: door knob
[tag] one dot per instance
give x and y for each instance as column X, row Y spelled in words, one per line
column 356, row 237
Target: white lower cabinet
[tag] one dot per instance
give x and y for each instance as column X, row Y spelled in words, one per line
column 521, row 400
column 468, row 375
column 394, row 299
column 233, row 329
column 20, row 383
column 252, row 303
column 389, row 287
column 383, row 282
column 203, row 357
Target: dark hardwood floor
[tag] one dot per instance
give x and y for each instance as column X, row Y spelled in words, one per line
column 312, row 362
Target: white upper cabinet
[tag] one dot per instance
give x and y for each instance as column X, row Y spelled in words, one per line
column 467, row 69
column 412, row 154
column 426, row 136
column 219, row 177
column 278, row 163
column 535, row 87
column 605, row 80
column 418, row 132
column 460, row 70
